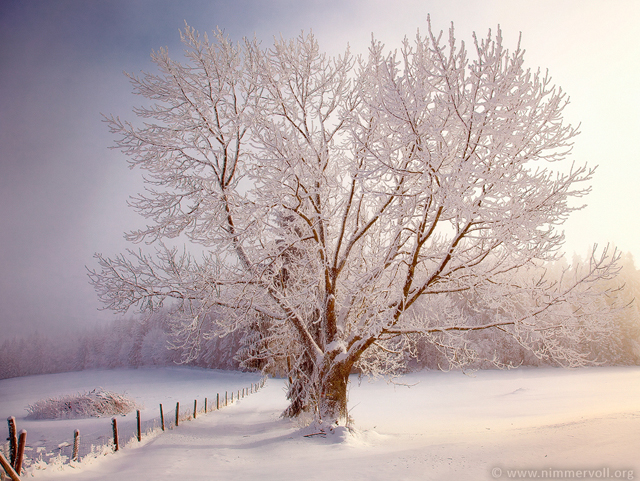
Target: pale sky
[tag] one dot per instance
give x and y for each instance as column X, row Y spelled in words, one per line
column 63, row 193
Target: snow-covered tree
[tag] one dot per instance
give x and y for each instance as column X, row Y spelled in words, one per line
column 622, row 345
column 345, row 200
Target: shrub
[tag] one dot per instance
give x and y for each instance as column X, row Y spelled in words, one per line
column 96, row 403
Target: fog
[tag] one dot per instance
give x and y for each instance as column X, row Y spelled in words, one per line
column 64, row 193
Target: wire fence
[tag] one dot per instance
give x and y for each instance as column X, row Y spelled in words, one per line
column 106, row 439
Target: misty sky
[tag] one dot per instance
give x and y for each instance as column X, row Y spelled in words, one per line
column 63, row 192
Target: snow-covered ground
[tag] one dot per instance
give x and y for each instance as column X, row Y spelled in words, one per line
column 148, row 387
column 555, row 423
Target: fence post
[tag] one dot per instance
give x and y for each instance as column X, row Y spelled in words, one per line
column 161, row 417
column 20, row 454
column 114, row 424
column 76, row 445
column 217, row 401
column 195, row 408
column 226, row 399
column 13, row 440
column 177, row 413
column 231, row 397
column 205, row 405
column 8, row 468
column 139, row 425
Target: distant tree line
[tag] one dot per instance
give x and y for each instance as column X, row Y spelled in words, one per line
column 124, row 343
column 149, row 341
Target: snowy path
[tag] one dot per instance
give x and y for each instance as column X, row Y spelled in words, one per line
column 448, row 427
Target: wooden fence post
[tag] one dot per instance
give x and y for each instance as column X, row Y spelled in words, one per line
column 195, row 408
column 139, row 425
column 13, row 440
column 114, row 424
column 20, row 454
column 161, row 417
column 177, row 413
column 76, row 445
column 8, row 468
column 226, row 399
column 217, row 401
column 205, row 405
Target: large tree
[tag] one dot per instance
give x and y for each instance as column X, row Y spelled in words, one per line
column 342, row 203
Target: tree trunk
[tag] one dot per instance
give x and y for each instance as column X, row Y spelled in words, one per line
column 332, row 405
column 300, row 387
column 322, row 391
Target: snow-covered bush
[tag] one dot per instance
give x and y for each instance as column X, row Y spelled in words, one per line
column 96, row 403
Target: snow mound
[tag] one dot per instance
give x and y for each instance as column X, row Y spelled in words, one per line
column 96, row 403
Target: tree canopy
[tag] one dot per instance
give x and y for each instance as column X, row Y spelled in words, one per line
column 345, row 204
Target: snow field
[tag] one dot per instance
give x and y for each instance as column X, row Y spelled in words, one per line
column 51, row 441
column 445, row 426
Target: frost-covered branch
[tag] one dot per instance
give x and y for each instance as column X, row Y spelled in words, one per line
column 351, row 207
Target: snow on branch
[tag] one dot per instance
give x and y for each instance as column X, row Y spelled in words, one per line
column 350, row 208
